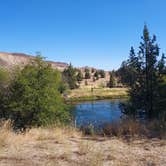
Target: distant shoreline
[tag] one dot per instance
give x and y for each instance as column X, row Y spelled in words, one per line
column 85, row 94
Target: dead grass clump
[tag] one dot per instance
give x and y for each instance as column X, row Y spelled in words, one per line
column 53, row 133
column 84, row 147
column 5, row 133
column 43, row 134
column 11, row 141
column 96, row 159
column 133, row 128
column 125, row 128
column 93, row 158
column 157, row 128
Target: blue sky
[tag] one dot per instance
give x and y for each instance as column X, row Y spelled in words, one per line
column 95, row 33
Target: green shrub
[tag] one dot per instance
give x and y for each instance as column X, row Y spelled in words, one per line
column 33, row 97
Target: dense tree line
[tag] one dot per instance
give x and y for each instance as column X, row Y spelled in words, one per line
column 145, row 74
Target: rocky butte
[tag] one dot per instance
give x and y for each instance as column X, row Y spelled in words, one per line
column 9, row 60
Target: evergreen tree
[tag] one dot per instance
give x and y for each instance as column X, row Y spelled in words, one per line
column 93, row 70
column 79, row 76
column 102, row 73
column 144, row 93
column 96, row 75
column 124, row 74
column 149, row 51
column 69, row 76
column 111, row 81
column 129, row 69
column 87, row 73
column 161, row 65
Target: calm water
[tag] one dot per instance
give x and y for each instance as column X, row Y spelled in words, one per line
column 97, row 113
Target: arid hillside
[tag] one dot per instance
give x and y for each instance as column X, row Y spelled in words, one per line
column 9, row 60
column 91, row 82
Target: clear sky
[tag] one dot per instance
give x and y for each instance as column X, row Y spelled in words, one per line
column 95, row 33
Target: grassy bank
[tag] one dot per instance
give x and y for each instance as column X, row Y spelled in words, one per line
column 66, row 146
column 87, row 93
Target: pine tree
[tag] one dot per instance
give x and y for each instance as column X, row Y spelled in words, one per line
column 111, row 81
column 149, row 51
column 102, row 73
column 96, row 75
column 144, row 89
column 79, row 76
column 87, row 73
column 69, row 75
column 161, row 65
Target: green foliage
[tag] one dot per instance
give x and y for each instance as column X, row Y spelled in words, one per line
column 93, row 70
column 4, row 78
column 79, row 76
column 161, row 65
column 145, row 74
column 102, row 73
column 129, row 69
column 111, row 81
column 69, row 76
column 63, row 87
column 87, row 73
column 4, row 82
column 96, row 75
column 34, row 98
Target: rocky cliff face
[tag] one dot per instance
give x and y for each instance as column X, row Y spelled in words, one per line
column 9, row 60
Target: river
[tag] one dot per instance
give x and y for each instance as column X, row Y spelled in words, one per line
column 97, row 113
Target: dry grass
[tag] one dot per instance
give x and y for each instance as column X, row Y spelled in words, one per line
column 84, row 147
column 99, row 93
column 4, row 134
column 132, row 128
column 63, row 146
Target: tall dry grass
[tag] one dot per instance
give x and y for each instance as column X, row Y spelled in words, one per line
column 133, row 128
column 60, row 134
column 8, row 136
column 5, row 133
column 57, row 145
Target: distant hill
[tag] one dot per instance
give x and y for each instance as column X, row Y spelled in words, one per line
column 101, row 82
column 9, row 60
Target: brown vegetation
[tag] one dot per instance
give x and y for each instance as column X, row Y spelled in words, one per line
column 131, row 128
column 66, row 146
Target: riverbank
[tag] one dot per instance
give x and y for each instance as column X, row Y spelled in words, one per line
column 88, row 93
column 68, row 147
